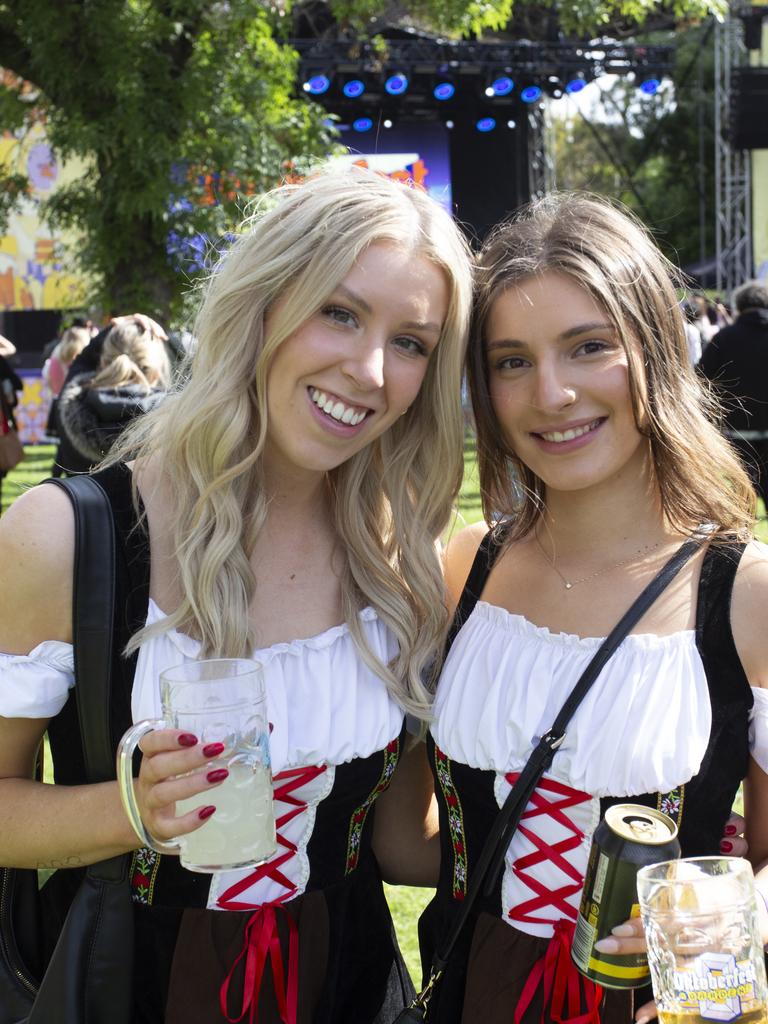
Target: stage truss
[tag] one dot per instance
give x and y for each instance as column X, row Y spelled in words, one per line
column 733, row 190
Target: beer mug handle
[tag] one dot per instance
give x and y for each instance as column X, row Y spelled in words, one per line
column 125, row 752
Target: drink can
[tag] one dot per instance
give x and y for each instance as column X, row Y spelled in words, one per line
column 629, row 837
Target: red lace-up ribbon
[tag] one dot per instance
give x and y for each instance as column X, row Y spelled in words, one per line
column 555, row 973
column 262, row 940
column 540, row 804
column 561, row 984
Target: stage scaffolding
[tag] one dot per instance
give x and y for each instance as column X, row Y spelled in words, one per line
column 733, row 238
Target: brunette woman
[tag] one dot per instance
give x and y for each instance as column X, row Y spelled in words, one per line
column 598, row 457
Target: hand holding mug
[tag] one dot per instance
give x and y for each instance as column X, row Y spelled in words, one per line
column 174, row 768
column 214, row 733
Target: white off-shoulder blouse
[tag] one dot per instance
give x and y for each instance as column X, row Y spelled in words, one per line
column 326, row 706
column 642, row 728
column 324, row 702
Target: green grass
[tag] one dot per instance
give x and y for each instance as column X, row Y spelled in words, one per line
column 405, row 903
column 35, row 466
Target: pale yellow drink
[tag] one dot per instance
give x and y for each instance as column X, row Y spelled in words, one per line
column 241, row 833
column 753, row 1017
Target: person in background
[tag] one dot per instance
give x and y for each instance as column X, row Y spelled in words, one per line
column 722, row 313
column 95, row 408
column 57, row 365
column 736, row 363
column 598, row 458
column 7, row 348
column 692, row 333
column 706, row 318
column 55, row 369
column 11, row 385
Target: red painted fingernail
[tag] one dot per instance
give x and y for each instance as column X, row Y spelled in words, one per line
column 213, row 749
column 725, row 846
column 217, row 775
column 206, row 812
column 730, row 830
column 187, row 740
column 271, row 727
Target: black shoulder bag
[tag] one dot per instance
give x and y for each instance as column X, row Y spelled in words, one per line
column 88, row 978
column 491, row 858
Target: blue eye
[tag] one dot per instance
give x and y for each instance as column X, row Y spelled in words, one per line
column 340, row 314
column 411, row 345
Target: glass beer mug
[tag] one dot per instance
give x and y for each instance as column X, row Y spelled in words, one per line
column 704, row 949
column 220, row 700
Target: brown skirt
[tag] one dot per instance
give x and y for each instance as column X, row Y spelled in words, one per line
column 207, row 950
column 500, row 962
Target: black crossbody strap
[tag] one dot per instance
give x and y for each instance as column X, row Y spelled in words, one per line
column 93, row 613
column 492, row 855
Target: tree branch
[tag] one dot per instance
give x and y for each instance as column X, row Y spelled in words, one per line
column 14, row 55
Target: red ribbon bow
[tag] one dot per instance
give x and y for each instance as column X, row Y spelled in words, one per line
column 262, row 943
column 561, row 983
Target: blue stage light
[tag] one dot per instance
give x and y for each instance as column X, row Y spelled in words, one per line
column 502, row 86
column 317, row 85
column 485, row 124
column 396, row 84
column 353, row 88
column 530, row 94
column 444, row 90
column 650, row 86
column 362, row 124
column 575, row 85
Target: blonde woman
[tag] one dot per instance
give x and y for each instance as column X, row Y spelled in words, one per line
column 597, row 457
column 94, row 408
column 289, row 499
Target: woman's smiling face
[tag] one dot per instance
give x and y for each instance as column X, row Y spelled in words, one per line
column 559, row 383
column 346, row 374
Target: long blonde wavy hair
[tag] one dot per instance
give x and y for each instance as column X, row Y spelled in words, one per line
column 611, row 255
column 391, row 501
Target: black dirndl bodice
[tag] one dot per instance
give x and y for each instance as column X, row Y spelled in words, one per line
column 485, row 982
column 334, row 944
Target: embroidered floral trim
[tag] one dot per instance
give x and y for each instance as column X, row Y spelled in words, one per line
column 455, row 823
column 671, row 804
column 358, row 819
column 144, row 867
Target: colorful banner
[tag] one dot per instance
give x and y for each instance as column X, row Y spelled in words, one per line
column 31, row 414
column 34, row 270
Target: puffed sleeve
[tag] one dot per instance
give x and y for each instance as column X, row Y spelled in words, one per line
column 758, row 727
column 36, row 685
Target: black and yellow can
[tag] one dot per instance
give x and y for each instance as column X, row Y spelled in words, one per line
column 627, row 839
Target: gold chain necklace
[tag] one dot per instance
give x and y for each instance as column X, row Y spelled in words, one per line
column 569, row 584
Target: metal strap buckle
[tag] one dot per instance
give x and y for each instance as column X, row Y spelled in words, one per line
column 552, row 739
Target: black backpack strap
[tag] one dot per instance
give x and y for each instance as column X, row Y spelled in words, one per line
column 93, row 612
column 490, row 548
column 93, row 617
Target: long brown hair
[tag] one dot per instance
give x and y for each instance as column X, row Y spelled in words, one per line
column 611, row 255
